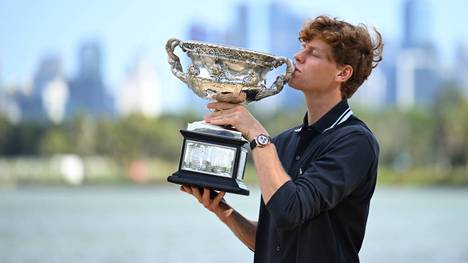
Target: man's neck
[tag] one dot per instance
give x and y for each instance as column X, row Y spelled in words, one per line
column 319, row 104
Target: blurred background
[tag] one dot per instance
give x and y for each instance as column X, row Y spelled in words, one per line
column 90, row 114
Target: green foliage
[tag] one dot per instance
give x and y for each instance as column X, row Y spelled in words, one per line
column 401, row 133
column 137, row 136
column 54, row 142
column 125, row 139
column 4, row 133
column 451, row 113
column 423, row 175
column 20, row 139
column 410, row 140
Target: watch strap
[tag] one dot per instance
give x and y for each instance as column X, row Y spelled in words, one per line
column 254, row 142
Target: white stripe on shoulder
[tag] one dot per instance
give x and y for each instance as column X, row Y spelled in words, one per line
column 343, row 117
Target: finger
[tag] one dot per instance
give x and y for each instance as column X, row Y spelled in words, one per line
column 223, row 97
column 222, row 112
column 197, row 193
column 231, row 97
column 217, row 199
column 189, row 189
column 221, row 105
column 186, row 189
column 225, row 114
column 239, row 98
column 224, row 120
column 206, row 197
column 220, row 120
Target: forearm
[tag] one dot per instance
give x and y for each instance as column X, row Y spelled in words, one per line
column 270, row 172
column 243, row 228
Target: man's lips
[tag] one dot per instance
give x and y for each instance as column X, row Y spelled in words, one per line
column 296, row 69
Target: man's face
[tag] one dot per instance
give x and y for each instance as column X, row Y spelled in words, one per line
column 315, row 70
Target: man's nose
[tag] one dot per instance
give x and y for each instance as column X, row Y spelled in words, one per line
column 298, row 57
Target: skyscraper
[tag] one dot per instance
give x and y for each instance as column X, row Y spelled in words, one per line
column 284, row 28
column 417, row 79
column 237, row 32
column 49, row 68
column 417, row 24
column 30, row 100
column 87, row 90
column 388, row 65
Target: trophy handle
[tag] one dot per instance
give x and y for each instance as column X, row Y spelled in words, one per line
column 278, row 85
column 174, row 60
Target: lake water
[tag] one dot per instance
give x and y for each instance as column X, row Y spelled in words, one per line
column 161, row 224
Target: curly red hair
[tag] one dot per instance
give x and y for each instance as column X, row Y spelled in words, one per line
column 351, row 45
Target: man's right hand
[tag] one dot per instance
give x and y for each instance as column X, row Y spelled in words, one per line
column 217, row 205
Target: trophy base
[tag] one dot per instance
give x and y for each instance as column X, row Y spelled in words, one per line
column 212, row 157
column 229, row 185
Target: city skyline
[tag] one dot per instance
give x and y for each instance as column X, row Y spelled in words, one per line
column 260, row 25
column 144, row 26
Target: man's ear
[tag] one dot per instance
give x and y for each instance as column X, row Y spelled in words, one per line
column 344, row 73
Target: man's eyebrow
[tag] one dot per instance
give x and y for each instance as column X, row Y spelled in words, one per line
column 312, row 48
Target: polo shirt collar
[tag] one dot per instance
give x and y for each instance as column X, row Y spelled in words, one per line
column 337, row 115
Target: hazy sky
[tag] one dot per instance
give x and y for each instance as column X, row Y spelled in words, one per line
column 31, row 29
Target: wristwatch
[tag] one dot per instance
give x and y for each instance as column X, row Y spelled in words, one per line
column 260, row 141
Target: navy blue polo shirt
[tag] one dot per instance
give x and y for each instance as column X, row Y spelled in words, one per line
column 320, row 215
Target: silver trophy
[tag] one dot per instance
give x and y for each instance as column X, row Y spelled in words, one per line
column 213, row 156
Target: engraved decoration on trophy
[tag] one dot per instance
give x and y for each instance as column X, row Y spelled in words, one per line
column 212, row 156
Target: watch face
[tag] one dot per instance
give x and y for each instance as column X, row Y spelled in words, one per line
column 263, row 139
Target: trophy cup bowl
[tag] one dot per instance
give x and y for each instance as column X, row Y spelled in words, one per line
column 212, row 156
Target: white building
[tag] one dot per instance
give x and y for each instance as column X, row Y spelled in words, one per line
column 54, row 99
column 417, row 78
column 373, row 92
column 140, row 92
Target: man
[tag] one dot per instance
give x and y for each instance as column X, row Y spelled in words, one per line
column 316, row 179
